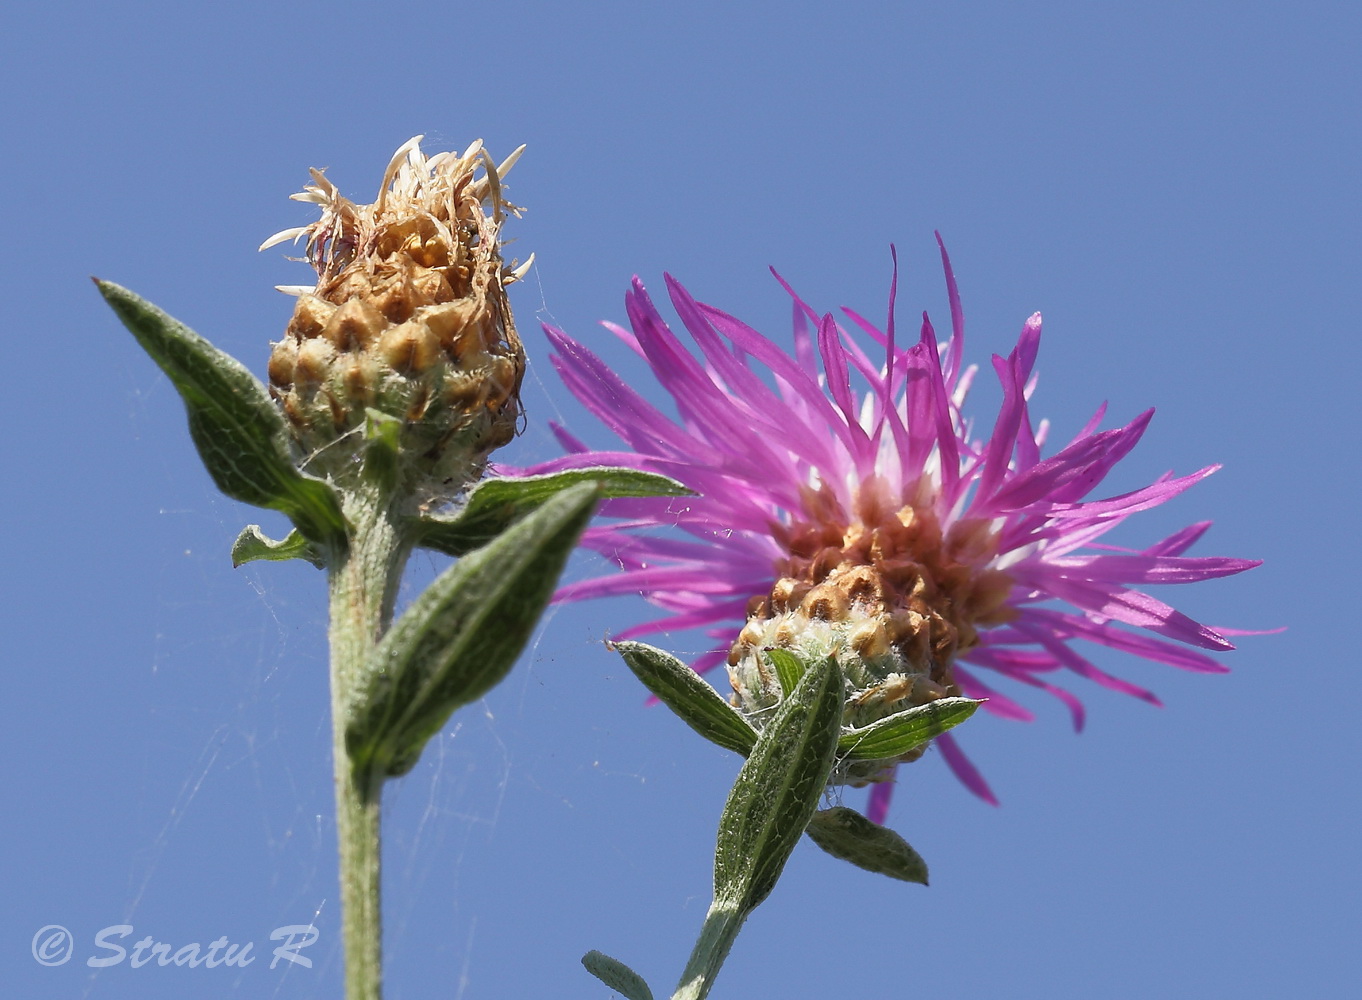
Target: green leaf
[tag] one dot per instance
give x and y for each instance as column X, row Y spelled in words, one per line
column 383, row 429
column 496, row 504
column 382, row 447
column 618, row 976
column 688, row 695
column 238, row 430
column 789, row 668
column 252, row 544
column 894, row 735
column 844, row 833
column 462, row 636
column 778, row 789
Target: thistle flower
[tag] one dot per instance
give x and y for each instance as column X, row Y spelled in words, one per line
column 408, row 318
column 875, row 525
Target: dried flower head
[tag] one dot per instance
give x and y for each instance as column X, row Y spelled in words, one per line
column 873, row 525
column 408, row 317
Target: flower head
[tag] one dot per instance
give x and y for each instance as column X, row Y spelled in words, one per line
column 408, row 317
column 875, row 524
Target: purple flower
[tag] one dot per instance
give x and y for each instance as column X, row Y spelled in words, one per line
column 973, row 555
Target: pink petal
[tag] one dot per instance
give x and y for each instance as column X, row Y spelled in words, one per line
column 963, row 769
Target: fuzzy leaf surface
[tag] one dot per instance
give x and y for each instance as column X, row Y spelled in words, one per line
column 844, row 833
column 618, row 976
column 688, row 695
column 778, row 789
column 240, row 435
column 462, row 635
column 789, row 668
column 253, row 544
column 495, row 504
column 896, row 734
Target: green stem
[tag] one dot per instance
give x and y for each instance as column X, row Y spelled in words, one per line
column 722, row 923
column 363, row 583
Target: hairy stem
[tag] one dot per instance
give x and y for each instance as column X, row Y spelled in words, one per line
column 720, row 930
column 363, row 583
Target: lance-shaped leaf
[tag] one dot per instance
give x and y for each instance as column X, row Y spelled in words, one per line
column 688, row 695
column 461, row 637
column 778, row 789
column 495, row 504
column 789, row 668
column 618, row 976
column 896, row 734
column 252, row 544
column 236, row 427
column 844, row 833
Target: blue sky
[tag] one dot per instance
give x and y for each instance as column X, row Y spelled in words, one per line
column 1174, row 186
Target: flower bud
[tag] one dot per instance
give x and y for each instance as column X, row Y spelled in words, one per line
column 409, row 316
